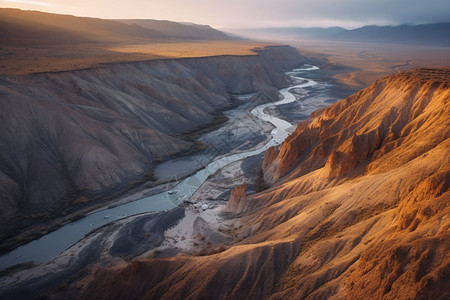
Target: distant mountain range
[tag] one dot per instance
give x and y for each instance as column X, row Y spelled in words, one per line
column 19, row 27
column 286, row 32
column 23, row 28
column 437, row 34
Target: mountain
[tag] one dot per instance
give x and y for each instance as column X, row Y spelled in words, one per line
column 426, row 34
column 70, row 139
column 284, row 33
column 34, row 42
column 35, row 28
column 180, row 30
column 358, row 208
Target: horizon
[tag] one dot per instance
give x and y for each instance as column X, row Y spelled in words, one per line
column 348, row 14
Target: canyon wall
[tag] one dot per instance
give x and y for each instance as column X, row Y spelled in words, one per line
column 70, row 137
column 358, row 209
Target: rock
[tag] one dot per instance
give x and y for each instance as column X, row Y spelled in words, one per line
column 203, row 230
column 205, row 207
column 236, row 203
column 269, row 157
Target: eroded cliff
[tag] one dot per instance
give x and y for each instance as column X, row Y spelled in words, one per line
column 359, row 210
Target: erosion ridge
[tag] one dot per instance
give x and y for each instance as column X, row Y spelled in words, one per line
column 363, row 135
column 358, row 208
column 70, row 137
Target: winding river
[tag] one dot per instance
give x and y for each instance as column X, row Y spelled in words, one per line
column 53, row 243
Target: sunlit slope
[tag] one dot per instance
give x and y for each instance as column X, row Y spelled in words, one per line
column 33, row 41
column 33, row 27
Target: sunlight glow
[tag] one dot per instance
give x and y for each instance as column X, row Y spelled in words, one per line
column 30, row 2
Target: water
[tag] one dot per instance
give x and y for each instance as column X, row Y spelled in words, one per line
column 53, row 243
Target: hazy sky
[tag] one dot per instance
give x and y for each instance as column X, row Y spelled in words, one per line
column 254, row 13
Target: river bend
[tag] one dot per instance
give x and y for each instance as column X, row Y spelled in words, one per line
column 54, row 243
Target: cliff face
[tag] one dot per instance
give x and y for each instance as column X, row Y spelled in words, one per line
column 90, row 132
column 370, row 132
column 360, row 210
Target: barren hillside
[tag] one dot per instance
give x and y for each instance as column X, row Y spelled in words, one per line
column 33, row 41
column 358, row 209
column 179, row 30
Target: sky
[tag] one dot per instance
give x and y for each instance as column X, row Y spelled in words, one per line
column 253, row 13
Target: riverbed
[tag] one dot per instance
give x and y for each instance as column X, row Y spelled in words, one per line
column 54, row 243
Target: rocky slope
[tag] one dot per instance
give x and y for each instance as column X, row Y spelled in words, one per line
column 69, row 137
column 358, row 209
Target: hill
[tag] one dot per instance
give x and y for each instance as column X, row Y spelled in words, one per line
column 358, row 208
column 33, row 41
column 21, row 27
column 180, row 30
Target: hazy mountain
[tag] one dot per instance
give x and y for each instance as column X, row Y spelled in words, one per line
column 427, row 34
column 286, row 32
column 180, row 30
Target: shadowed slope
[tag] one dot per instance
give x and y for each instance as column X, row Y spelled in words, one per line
column 361, row 212
column 95, row 131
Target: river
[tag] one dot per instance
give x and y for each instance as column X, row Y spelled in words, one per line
column 53, row 243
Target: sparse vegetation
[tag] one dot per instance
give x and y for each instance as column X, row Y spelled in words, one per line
column 81, row 200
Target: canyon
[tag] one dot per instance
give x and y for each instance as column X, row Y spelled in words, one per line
column 354, row 203
column 358, row 208
column 129, row 116
column 150, row 155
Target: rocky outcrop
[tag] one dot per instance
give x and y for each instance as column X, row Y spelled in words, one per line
column 207, row 234
column 377, row 227
column 269, row 157
column 70, row 137
column 236, row 202
column 143, row 233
